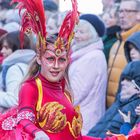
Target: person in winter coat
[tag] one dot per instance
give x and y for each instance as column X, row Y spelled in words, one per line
column 14, row 67
column 88, row 70
column 111, row 20
column 132, row 47
column 126, row 100
column 132, row 53
column 129, row 22
column 126, row 126
column 45, row 110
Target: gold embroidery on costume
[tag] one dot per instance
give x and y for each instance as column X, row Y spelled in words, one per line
column 68, row 95
column 76, row 126
column 51, row 118
column 40, row 94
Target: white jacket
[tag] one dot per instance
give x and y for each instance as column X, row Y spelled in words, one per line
column 18, row 62
column 88, row 80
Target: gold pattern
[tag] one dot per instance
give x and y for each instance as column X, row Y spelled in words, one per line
column 42, row 41
column 58, row 52
column 70, row 39
column 40, row 94
column 76, row 126
column 28, row 31
column 68, row 96
column 51, row 118
column 59, row 46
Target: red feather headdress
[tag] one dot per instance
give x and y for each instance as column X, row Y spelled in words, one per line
column 33, row 19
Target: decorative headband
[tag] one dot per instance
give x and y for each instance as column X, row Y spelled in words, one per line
column 33, row 20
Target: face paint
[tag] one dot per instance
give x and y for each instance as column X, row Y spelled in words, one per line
column 52, row 66
column 53, row 60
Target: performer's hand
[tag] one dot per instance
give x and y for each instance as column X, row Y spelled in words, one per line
column 125, row 117
column 40, row 135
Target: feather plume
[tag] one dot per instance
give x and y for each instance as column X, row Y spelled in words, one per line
column 33, row 19
column 67, row 27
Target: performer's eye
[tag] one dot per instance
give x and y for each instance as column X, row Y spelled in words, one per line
column 62, row 59
column 50, row 58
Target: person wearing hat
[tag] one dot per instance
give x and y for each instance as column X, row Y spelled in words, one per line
column 88, row 70
column 129, row 23
column 132, row 53
column 132, row 47
column 127, row 99
column 50, row 7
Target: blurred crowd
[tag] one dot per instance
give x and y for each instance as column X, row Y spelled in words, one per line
column 104, row 72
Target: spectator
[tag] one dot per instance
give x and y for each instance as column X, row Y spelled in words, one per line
column 52, row 24
column 50, row 7
column 127, row 126
column 132, row 53
column 132, row 47
column 5, row 4
column 111, row 20
column 45, row 110
column 14, row 67
column 2, row 32
column 127, row 99
column 129, row 23
column 107, row 4
column 89, row 85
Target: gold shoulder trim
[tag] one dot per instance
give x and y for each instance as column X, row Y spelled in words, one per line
column 40, row 94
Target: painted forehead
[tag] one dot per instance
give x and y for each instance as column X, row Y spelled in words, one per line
column 53, row 51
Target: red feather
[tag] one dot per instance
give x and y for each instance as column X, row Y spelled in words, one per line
column 33, row 18
column 67, row 27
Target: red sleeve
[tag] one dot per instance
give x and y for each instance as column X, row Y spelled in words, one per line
column 28, row 97
column 134, row 137
column 29, row 127
column 90, row 138
column 94, row 138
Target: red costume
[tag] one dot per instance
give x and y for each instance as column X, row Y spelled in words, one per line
column 43, row 105
column 135, row 133
column 50, row 110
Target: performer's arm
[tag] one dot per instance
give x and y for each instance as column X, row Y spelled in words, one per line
column 28, row 97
